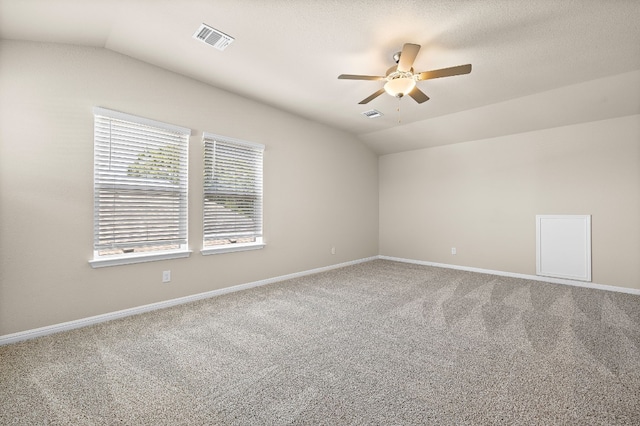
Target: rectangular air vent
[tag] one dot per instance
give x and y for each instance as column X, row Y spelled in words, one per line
column 373, row 113
column 215, row 38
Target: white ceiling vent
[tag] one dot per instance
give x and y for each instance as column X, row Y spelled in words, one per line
column 372, row 113
column 215, row 38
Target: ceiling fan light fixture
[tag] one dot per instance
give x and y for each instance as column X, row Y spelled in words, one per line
column 400, row 86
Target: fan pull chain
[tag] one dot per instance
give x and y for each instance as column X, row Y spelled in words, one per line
column 399, row 118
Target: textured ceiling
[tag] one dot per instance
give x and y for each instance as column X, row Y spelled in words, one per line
column 536, row 63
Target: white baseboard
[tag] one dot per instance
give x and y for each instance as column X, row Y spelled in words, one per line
column 84, row 322
column 515, row 275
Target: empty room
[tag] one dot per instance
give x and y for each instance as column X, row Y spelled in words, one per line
column 236, row 212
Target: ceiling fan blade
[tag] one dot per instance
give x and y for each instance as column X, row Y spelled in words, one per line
column 445, row 72
column 407, row 56
column 372, row 97
column 359, row 77
column 418, row 95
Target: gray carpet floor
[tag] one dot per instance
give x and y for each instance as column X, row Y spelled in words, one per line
column 381, row 343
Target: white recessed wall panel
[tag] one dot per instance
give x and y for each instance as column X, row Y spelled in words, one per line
column 563, row 246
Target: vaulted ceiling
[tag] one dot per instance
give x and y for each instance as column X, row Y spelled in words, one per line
column 536, row 63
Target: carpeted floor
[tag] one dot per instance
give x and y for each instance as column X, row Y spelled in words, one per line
column 380, row 343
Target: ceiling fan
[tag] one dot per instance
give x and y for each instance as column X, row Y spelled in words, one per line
column 401, row 79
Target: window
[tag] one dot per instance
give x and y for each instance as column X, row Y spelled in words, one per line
column 140, row 189
column 232, row 195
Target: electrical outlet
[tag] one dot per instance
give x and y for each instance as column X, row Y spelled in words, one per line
column 453, row 250
column 333, row 250
column 166, row 276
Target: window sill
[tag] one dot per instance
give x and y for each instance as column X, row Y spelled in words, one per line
column 230, row 248
column 127, row 259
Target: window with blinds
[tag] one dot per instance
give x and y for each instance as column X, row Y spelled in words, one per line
column 140, row 185
column 232, row 193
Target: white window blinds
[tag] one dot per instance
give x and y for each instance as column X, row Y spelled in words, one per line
column 232, row 191
column 140, row 184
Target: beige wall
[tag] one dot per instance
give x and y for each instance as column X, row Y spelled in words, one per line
column 482, row 198
column 320, row 185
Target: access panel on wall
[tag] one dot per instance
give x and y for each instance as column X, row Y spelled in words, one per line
column 563, row 246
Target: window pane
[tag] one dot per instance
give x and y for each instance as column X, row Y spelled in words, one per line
column 232, row 191
column 140, row 184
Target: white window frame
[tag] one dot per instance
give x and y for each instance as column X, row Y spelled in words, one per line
column 100, row 179
column 233, row 247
